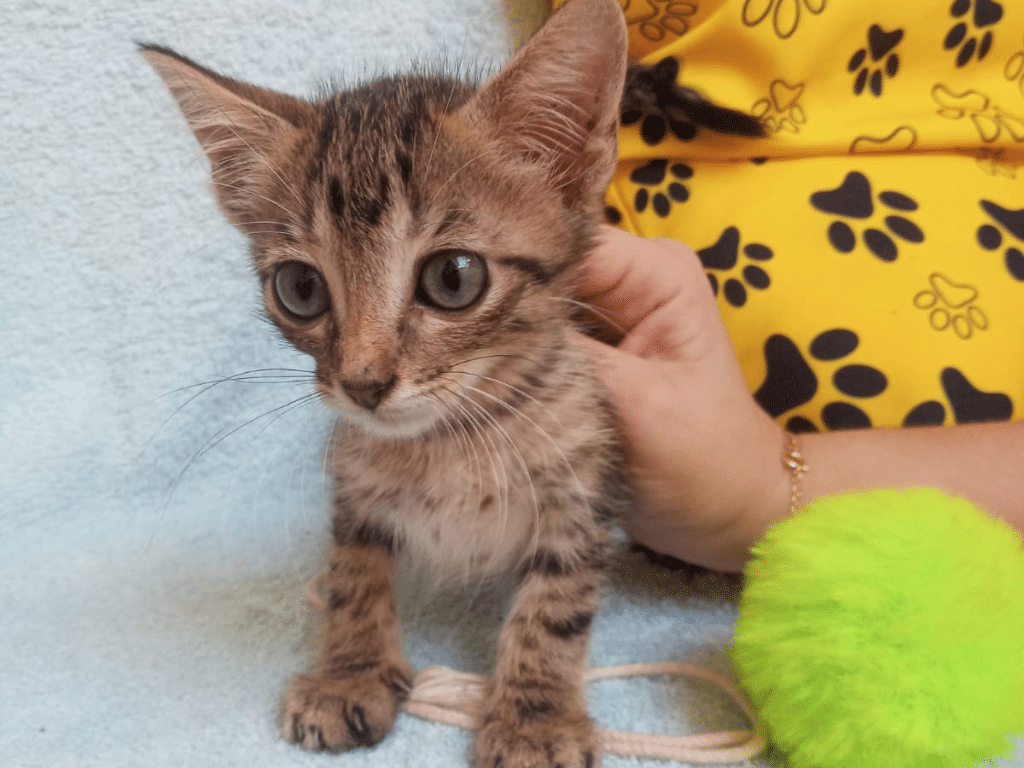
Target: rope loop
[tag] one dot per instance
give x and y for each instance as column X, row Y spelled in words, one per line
column 457, row 698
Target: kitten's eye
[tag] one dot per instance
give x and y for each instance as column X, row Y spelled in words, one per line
column 300, row 290
column 452, row 280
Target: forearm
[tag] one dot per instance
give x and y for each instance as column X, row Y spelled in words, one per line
column 982, row 462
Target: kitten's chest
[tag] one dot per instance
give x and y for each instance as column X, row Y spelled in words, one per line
column 468, row 507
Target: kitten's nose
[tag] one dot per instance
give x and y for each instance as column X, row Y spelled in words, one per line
column 368, row 393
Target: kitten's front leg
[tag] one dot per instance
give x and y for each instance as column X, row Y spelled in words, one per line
column 536, row 715
column 352, row 697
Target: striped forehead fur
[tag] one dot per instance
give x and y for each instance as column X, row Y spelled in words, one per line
column 369, row 135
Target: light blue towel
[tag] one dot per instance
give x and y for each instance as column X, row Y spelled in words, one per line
column 152, row 561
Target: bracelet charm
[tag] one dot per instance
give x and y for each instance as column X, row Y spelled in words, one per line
column 793, row 460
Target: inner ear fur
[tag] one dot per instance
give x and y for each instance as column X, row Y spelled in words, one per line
column 240, row 127
column 556, row 103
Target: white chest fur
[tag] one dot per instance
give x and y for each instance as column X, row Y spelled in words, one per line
column 469, row 505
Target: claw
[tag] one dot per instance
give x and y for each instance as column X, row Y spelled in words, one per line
column 298, row 732
column 355, row 718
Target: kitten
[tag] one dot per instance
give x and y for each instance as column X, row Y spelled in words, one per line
column 421, row 238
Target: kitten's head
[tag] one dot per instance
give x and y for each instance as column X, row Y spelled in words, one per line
column 419, row 230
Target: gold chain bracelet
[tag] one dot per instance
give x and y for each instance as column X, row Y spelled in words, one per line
column 793, row 460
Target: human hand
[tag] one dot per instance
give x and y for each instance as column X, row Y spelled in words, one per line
column 705, row 460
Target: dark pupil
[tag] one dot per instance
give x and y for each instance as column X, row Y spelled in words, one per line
column 450, row 276
column 304, row 286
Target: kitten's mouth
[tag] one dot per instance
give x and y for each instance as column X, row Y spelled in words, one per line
column 387, row 420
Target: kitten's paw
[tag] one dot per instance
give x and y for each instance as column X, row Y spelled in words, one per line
column 334, row 714
column 551, row 742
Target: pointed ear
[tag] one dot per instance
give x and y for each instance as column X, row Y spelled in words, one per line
column 241, row 128
column 557, row 102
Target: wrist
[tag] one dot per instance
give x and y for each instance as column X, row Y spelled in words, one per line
column 768, row 495
column 783, row 487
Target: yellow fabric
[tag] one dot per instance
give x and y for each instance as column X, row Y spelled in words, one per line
column 868, row 256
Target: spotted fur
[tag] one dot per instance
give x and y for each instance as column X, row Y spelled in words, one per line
column 476, row 441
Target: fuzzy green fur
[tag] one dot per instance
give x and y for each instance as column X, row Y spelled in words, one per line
column 885, row 630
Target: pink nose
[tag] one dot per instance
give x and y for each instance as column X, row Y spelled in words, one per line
column 368, row 394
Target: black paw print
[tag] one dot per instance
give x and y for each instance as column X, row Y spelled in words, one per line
column 986, row 13
column 612, row 215
column 790, row 382
column 853, row 199
column 880, row 45
column 969, row 403
column 654, row 174
column 724, row 255
column 991, row 239
column 653, row 127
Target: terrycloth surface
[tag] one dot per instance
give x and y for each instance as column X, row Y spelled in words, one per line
column 151, row 590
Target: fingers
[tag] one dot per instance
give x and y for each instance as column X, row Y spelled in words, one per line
column 628, row 278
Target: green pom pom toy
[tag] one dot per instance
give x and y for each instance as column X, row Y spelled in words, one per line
column 886, row 630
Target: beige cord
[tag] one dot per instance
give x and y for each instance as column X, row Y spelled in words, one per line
column 457, row 698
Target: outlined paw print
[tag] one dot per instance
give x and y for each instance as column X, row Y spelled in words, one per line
column 1014, row 69
column 785, row 13
column 952, row 306
column 854, row 199
column 988, row 118
column 991, row 238
column 880, row 46
column 655, row 174
column 652, row 18
column 781, row 110
column 791, row 382
column 986, row 13
column 724, row 255
column 901, row 139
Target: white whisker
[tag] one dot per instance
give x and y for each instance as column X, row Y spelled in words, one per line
column 605, row 316
column 517, row 454
column 540, row 430
column 502, row 488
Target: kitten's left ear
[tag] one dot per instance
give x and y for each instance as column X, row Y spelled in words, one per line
column 557, row 102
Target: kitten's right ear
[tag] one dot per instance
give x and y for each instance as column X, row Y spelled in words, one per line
column 240, row 127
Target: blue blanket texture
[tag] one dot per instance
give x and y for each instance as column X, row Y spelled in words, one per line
column 156, row 535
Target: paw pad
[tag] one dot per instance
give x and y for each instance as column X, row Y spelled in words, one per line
column 972, row 42
column 990, row 120
column 653, row 128
column 655, row 174
column 785, row 14
column 724, row 255
column 991, row 238
column 654, row 18
column 791, row 382
column 969, row 404
column 781, row 110
column 952, row 306
column 612, row 215
column 1014, row 70
column 854, row 199
column 880, row 46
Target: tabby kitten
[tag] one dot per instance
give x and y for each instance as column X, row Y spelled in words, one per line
column 421, row 237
